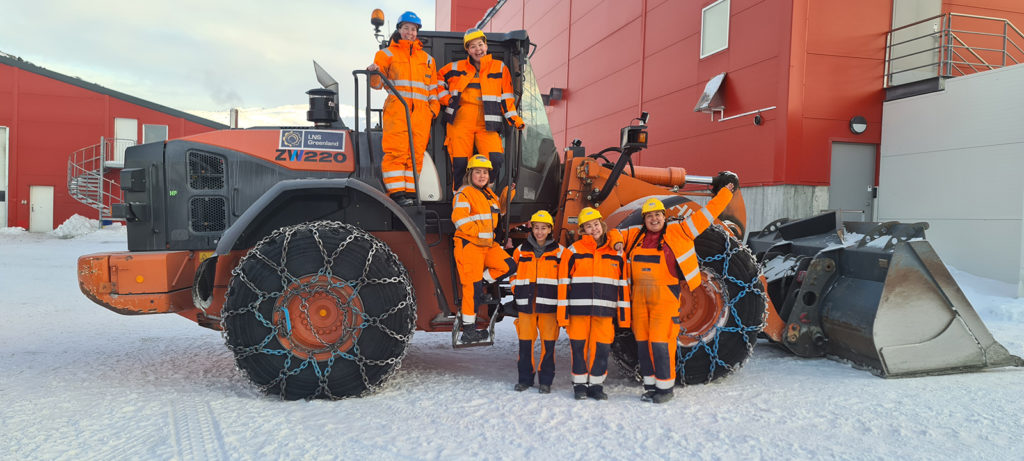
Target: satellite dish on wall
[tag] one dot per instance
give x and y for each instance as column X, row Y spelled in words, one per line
column 711, row 99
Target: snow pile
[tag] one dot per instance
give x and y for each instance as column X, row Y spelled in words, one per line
column 12, row 230
column 76, row 226
column 992, row 299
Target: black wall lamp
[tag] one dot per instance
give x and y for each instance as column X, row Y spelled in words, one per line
column 858, row 125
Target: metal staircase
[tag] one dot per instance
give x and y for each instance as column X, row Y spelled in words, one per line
column 87, row 170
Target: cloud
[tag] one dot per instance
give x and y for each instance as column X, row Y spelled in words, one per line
column 201, row 55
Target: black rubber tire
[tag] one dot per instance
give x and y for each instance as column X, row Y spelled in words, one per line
column 247, row 317
column 734, row 347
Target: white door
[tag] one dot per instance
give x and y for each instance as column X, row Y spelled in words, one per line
column 126, row 134
column 40, row 217
column 915, row 49
column 852, row 183
column 3, row 176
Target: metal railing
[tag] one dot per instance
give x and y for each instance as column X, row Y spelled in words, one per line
column 955, row 45
column 87, row 168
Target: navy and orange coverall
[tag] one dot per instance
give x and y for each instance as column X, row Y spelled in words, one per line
column 660, row 265
column 535, row 290
column 478, row 104
column 412, row 72
column 592, row 294
column 478, row 257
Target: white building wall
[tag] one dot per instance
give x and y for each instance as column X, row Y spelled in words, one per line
column 955, row 158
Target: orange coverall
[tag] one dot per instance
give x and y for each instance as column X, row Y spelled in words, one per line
column 478, row 102
column 657, row 265
column 412, row 72
column 592, row 291
column 478, row 257
column 535, row 289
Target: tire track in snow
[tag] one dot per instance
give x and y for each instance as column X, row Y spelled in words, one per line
column 195, row 434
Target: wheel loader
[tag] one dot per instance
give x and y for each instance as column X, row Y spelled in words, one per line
column 283, row 239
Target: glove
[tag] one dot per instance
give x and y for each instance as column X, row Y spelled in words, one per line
column 723, row 178
column 518, row 122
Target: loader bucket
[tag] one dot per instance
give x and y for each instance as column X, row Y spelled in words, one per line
column 874, row 294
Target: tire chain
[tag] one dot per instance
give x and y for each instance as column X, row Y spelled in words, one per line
column 287, row 279
column 752, row 287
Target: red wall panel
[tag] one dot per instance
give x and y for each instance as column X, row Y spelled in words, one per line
column 818, row 62
column 50, row 119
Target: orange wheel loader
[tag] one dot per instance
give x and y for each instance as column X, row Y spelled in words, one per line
column 284, row 239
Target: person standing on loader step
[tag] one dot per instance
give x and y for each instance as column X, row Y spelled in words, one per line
column 592, row 295
column 535, row 289
column 478, row 257
column 413, row 73
column 478, row 94
column 662, row 261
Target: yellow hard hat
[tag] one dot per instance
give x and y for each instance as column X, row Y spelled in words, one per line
column 479, row 161
column 652, row 204
column 544, row 217
column 588, row 214
column 473, row 34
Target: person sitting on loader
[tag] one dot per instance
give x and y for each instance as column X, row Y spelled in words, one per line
column 535, row 290
column 592, row 295
column 412, row 72
column 477, row 93
column 478, row 257
column 662, row 261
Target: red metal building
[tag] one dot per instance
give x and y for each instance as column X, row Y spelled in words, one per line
column 45, row 117
column 798, row 73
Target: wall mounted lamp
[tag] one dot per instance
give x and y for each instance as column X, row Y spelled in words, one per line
column 858, row 125
column 555, row 94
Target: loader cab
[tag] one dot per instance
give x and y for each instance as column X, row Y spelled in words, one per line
column 531, row 158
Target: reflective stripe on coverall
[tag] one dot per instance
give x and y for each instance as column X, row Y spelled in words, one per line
column 535, row 290
column 478, row 257
column 592, row 292
column 412, row 72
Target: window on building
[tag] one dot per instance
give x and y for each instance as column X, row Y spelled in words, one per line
column 714, row 28
column 154, row 133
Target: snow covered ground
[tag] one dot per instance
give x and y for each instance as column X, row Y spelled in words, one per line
column 80, row 382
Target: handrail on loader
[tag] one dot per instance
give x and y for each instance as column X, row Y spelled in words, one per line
column 408, row 118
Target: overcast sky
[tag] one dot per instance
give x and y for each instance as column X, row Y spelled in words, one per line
column 203, row 56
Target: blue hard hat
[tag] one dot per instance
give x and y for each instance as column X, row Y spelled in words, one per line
column 409, row 16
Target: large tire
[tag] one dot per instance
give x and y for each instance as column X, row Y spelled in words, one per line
column 319, row 310
column 729, row 312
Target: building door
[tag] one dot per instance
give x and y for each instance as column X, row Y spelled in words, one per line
column 4, row 161
column 852, row 187
column 915, row 49
column 126, row 134
column 40, row 200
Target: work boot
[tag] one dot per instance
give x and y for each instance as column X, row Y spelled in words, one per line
column 544, row 388
column 579, row 391
column 403, row 199
column 648, row 395
column 596, row 392
column 520, row 387
column 662, row 396
column 471, row 335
